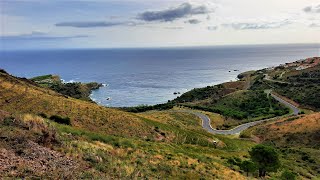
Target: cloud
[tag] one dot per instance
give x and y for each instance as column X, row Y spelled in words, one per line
column 96, row 24
column 182, row 11
column 264, row 25
column 193, row 21
column 175, row 28
column 314, row 25
column 312, row 9
column 212, row 28
column 88, row 24
column 39, row 36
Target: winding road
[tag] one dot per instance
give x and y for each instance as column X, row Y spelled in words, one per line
column 207, row 126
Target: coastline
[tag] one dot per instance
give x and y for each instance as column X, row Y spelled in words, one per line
column 151, row 76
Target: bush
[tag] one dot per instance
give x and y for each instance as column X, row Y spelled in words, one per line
column 43, row 115
column 250, row 104
column 8, row 121
column 287, row 175
column 60, row 120
column 245, row 134
column 3, row 71
column 234, row 161
column 144, row 108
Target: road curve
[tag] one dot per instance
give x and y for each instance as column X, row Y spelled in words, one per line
column 207, row 125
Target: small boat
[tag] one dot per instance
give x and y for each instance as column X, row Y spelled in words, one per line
column 108, row 98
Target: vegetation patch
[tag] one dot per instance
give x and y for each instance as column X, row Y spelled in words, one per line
column 60, row 120
column 250, row 105
column 76, row 90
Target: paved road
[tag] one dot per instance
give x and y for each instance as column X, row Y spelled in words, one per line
column 267, row 77
column 207, row 126
column 295, row 110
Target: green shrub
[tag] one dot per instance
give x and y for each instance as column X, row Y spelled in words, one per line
column 8, row 121
column 234, row 161
column 41, row 78
column 144, row 108
column 43, row 115
column 287, row 175
column 60, row 120
column 3, row 71
column 249, row 104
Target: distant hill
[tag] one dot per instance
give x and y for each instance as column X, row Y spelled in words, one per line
column 298, row 81
column 75, row 89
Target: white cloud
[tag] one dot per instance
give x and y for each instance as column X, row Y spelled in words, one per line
column 312, row 9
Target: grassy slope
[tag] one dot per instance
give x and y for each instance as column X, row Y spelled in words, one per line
column 19, row 96
column 95, row 155
column 104, row 142
column 297, row 139
column 157, row 144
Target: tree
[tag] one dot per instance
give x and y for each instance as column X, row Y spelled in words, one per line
column 248, row 166
column 266, row 158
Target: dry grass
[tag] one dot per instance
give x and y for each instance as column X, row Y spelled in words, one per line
column 299, row 131
column 149, row 161
column 187, row 152
column 18, row 96
column 179, row 127
column 216, row 119
column 238, row 85
column 307, row 123
column 91, row 157
column 297, row 139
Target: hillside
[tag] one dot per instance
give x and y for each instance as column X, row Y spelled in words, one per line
column 23, row 96
column 103, row 142
column 301, row 131
column 33, row 142
column 236, row 101
column 298, row 81
column 297, row 138
column 46, row 135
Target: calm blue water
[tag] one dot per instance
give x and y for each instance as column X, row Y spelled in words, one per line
column 150, row 76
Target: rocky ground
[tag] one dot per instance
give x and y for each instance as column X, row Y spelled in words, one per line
column 22, row 159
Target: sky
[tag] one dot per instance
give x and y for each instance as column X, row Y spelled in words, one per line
column 50, row 24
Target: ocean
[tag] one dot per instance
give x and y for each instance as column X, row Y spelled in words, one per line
column 150, row 75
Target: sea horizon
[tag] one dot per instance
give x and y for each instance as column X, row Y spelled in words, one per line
column 161, row 47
